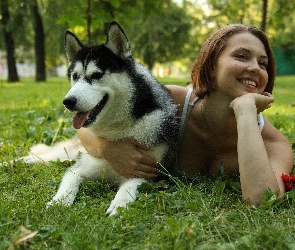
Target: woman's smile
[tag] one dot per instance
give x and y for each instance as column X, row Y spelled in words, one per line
column 248, row 82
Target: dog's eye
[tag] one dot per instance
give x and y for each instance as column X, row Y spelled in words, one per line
column 75, row 76
column 96, row 75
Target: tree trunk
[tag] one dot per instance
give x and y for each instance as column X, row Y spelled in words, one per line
column 264, row 15
column 88, row 16
column 9, row 42
column 39, row 44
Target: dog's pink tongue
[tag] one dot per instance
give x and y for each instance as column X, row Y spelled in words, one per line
column 79, row 119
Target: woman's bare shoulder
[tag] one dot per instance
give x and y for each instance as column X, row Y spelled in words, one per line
column 178, row 93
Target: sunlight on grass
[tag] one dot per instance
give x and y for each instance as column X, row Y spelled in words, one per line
column 29, row 94
column 280, row 109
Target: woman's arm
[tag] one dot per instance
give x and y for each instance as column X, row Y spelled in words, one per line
column 263, row 157
column 125, row 157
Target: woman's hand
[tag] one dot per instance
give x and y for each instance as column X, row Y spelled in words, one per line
column 126, row 157
column 261, row 101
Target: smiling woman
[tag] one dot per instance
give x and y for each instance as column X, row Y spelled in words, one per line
column 204, row 65
column 242, row 69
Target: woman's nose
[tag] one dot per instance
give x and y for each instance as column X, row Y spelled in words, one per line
column 254, row 67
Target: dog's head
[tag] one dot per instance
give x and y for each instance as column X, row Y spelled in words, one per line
column 91, row 73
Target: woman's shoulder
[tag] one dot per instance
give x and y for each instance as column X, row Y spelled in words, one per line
column 178, row 93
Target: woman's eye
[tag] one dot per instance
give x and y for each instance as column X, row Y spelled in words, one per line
column 241, row 56
column 263, row 65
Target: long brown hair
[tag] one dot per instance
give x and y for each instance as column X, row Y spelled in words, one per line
column 202, row 77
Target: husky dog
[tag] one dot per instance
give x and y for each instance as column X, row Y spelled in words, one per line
column 117, row 98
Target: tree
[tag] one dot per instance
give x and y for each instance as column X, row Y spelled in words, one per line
column 264, row 15
column 39, row 42
column 89, row 19
column 281, row 24
column 9, row 42
column 162, row 37
column 157, row 29
column 224, row 12
column 160, row 33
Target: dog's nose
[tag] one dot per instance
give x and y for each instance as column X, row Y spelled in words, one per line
column 70, row 102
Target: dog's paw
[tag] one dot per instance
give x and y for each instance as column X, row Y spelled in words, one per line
column 112, row 210
column 60, row 202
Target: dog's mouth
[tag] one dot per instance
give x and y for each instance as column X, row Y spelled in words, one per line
column 84, row 119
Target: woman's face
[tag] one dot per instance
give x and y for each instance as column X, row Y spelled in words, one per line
column 241, row 67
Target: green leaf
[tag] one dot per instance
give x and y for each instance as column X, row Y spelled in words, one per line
column 269, row 199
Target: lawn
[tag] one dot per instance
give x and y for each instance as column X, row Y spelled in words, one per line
column 205, row 215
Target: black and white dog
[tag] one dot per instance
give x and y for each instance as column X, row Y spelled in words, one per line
column 116, row 98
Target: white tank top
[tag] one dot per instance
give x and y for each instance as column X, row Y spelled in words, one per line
column 187, row 109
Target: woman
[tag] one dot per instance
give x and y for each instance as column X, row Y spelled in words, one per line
column 222, row 128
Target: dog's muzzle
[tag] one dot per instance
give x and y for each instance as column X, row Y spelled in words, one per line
column 84, row 119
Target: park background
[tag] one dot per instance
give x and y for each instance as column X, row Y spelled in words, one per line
column 166, row 37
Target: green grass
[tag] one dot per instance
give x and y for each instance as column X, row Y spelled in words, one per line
column 205, row 215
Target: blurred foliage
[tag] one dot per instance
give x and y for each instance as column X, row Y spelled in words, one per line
column 159, row 31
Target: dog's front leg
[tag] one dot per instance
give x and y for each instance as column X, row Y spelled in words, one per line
column 127, row 193
column 87, row 167
column 68, row 188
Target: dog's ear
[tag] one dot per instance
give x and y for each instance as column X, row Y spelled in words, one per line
column 117, row 41
column 72, row 46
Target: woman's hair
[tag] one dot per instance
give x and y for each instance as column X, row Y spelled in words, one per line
column 202, row 78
